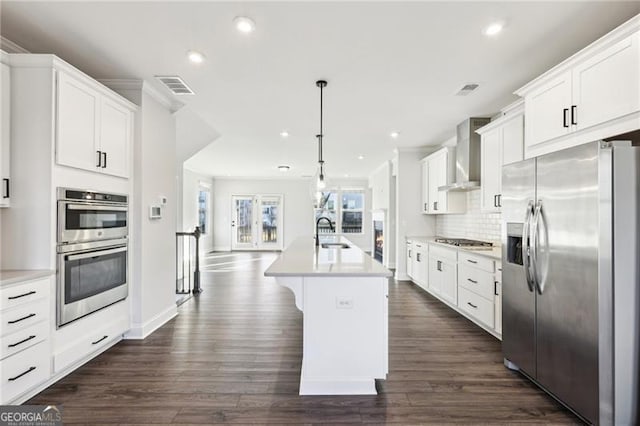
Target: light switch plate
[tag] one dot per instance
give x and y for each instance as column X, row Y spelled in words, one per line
column 344, row 303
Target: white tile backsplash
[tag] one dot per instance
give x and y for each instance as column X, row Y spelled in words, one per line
column 474, row 224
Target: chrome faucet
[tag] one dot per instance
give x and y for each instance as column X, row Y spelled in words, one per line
column 317, row 223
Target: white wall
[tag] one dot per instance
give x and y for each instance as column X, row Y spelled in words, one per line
column 191, row 183
column 152, row 241
column 298, row 207
column 473, row 224
column 409, row 220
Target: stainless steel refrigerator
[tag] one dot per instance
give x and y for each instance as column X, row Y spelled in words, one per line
column 571, row 296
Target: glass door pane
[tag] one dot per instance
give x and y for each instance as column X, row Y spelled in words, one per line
column 243, row 222
column 270, row 222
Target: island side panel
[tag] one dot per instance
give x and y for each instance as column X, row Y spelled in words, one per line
column 345, row 331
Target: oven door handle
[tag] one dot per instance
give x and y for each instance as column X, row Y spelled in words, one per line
column 95, row 253
column 96, row 207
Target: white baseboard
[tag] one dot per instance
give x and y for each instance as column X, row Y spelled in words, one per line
column 402, row 276
column 141, row 331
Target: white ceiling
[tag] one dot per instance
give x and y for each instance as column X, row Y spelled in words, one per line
column 390, row 66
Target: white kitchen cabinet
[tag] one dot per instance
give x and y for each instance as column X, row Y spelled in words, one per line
column 443, row 273
column 439, row 170
column 410, row 255
column 424, row 167
column 25, row 356
column 420, row 265
column 5, row 135
column 476, row 283
column 590, row 96
column 93, row 129
column 502, row 142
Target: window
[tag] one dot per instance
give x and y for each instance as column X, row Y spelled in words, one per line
column 203, row 210
column 346, row 216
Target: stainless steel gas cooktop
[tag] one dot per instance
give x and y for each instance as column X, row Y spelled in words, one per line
column 464, row 243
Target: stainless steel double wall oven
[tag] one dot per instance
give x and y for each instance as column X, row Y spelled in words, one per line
column 91, row 251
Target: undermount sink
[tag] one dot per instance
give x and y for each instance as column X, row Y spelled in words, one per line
column 335, row 245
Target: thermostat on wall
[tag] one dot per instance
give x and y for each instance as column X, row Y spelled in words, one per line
column 155, row 212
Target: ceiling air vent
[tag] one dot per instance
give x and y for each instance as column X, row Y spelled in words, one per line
column 175, row 84
column 467, row 88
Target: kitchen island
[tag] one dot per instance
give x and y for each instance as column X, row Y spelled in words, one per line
column 343, row 294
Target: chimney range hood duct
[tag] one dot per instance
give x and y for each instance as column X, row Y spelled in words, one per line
column 467, row 156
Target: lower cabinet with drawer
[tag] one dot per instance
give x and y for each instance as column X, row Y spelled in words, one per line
column 79, row 341
column 467, row 282
column 25, row 350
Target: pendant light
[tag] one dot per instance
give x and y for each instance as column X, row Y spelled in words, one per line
column 320, row 181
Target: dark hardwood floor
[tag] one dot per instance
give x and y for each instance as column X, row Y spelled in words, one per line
column 233, row 355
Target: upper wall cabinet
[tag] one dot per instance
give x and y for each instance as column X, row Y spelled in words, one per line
column 590, row 96
column 438, row 169
column 94, row 129
column 502, row 143
column 5, row 135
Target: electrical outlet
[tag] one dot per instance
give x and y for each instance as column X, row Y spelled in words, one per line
column 344, row 303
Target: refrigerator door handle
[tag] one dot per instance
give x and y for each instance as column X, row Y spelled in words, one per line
column 534, row 249
column 526, row 250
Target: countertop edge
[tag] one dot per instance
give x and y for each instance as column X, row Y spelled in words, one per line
column 13, row 276
column 485, row 253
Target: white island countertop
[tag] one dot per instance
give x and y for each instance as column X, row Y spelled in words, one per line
column 302, row 258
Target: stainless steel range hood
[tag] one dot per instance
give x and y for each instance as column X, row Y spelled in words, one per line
column 467, row 156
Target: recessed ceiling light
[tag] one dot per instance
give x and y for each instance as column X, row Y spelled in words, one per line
column 195, row 57
column 395, row 135
column 493, row 29
column 284, row 168
column 244, row 24
column 284, row 134
column 360, row 157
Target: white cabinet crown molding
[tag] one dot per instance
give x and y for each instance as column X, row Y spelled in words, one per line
column 515, row 109
column 146, row 87
column 29, row 60
column 609, row 39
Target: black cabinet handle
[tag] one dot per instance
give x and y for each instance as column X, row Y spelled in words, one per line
column 439, row 265
column 574, row 114
column 5, row 181
column 495, row 200
column 22, row 341
column 472, row 261
column 472, row 305
column 104, row 162
column 418, row 257
column 495, row 288
column 472, row 281
column 425, row 207
column 499, row 200
column 409, row 254
column 21, row 319
column 99, row 159
column 22, row 295
column 11, row 379
column 565, row 120
column 99, row 340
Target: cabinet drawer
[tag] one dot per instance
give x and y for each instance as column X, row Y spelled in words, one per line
column 24, row 293
column 24, row 371
column 476, row 306
column 24, row 338
column 479, row 262
column 25, row 315
column 90, row 342
column 476, row 280
column 442, row 253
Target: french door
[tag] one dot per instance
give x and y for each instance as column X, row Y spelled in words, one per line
column 256, row 222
